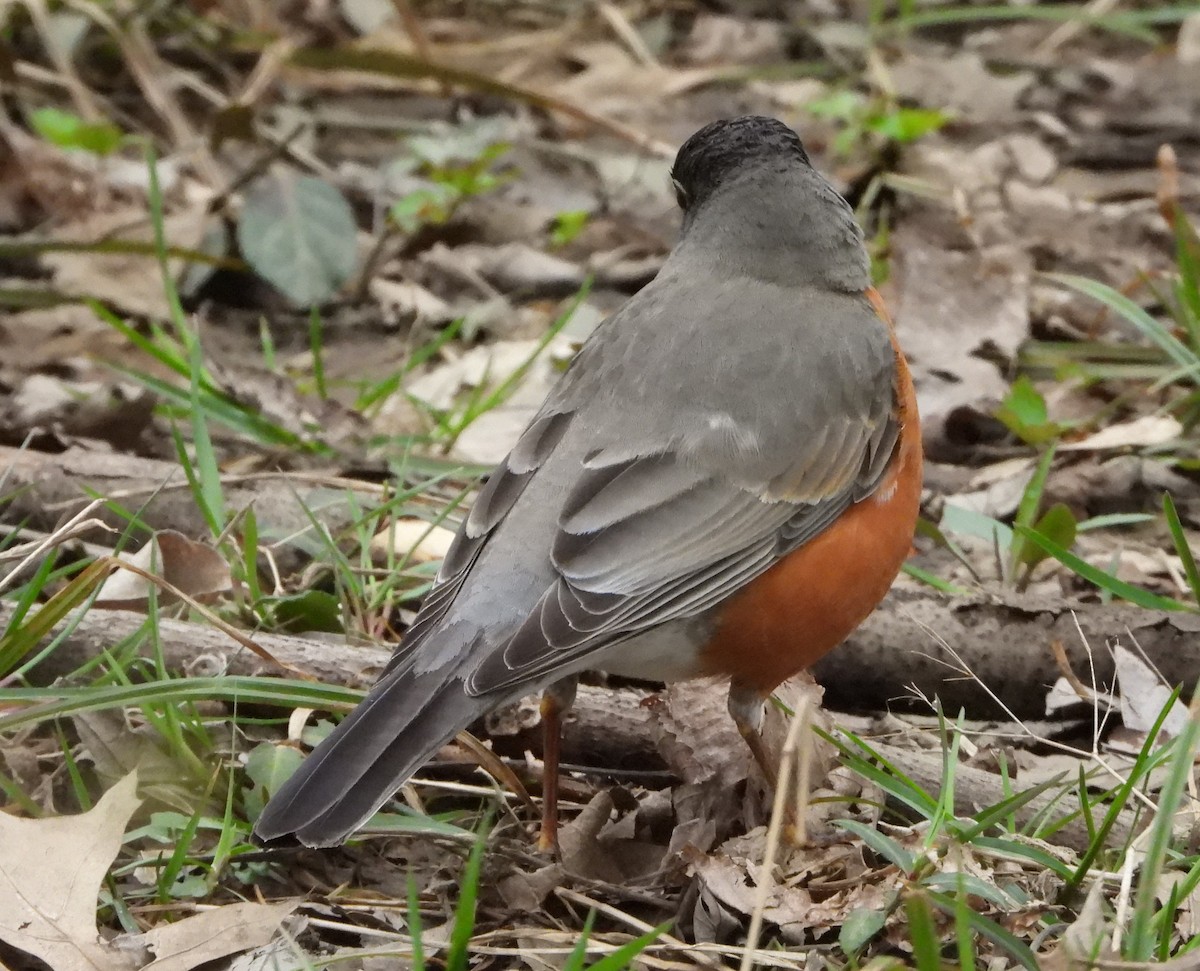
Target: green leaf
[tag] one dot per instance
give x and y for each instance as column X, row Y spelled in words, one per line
column 67, row 130
column 967, row 522
column 567, row 225
column 1181, row 545
column 841, row 105
column 1058, row 526
column 298, row 233
column 908, row 124
column 268, row 766
column 1012, row 848
column 966, row 883
column 1023, row 412
column 858, row 928
column 424, row 207
column 882, row 845
column 307, row 611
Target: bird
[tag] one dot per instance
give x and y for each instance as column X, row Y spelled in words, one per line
column 724, row 482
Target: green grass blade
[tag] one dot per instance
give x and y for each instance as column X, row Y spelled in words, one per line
column 1182, row 546
column 922, row 932
column 458, row 953
column 1027, row 508
column 1121, row 305
column 882, row 845
column 1105, row 581
column 577, row 957
column 984, row 927
column 627, row 953
column 1140, row 943
column 31, row 705
column 415, row 931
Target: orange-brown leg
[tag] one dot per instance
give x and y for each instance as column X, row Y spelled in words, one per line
column 746, row 709
column 556, row 702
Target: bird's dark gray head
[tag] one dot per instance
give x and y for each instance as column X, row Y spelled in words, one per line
column 720, row 152
column 753, row 205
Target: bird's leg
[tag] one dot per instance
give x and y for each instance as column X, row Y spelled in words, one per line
column 556, row 702
column 746, row 709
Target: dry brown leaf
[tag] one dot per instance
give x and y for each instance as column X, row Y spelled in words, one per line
column 129, row 281
column 734, row 885
column 194, row 568
column 212, row 934
column 526, row 891
column 956, row 337
column 52, row 869
column 697, row 738
column 582, row 854
column 117, row 748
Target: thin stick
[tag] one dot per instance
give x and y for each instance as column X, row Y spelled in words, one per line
column 766, row 874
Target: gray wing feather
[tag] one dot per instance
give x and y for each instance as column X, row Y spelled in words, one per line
column 495, row 499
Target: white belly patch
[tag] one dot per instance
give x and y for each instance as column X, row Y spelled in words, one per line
column 670, row 652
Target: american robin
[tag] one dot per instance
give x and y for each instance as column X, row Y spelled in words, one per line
column 724, row 482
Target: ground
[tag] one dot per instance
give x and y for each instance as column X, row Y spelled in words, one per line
column 280, row 282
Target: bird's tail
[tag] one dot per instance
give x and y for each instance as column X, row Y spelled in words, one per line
column 404, row 719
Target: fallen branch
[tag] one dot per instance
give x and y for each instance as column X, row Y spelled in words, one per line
column 906, row 650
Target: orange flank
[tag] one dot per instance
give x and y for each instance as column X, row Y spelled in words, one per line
column 812, row 600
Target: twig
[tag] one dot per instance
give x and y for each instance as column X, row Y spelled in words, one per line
column 1071, row 28
column 416, row 33
column 766, row 872
column 626, row 32
column 150, row 72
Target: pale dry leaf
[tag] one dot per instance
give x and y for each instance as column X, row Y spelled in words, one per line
column 527, row 891
column 282, row 952
column 1138, row 433
column 718, row 39
column 195, row 568
column 1144, row 695
column 212, row 934
column 490, row 436
column 961, row 83
column 734, row 885
column 406, row 300
column 518, row 267
column 1089, row 936
column 50, row 875
column 1187, row 42
column 419, row 541
column 998, row 492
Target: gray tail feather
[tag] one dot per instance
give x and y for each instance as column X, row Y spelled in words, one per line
column 403, row 720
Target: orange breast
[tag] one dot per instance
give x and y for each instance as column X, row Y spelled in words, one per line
column 809, row 602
